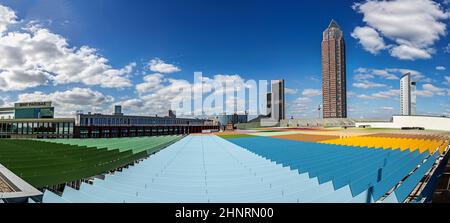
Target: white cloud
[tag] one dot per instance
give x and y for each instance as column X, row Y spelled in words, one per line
column 416, row 75
column 299, row 107
column 441, row 68
column 157, row 93
column 405, row 52
column 67, row 102
column 132, row 104
column 151, row 82
column 368, row 84
column 34, row 56
column 312, row 92
column 424, row 93
column 159, row 66
column 381, row 95
column 369, row 39
column 432, row 88
column 412, row 25
column 364, row 74
column 429, row 90
column 7, row 17
column 290, row 91
column 387, row 94
column 447, row 48
column 447, row 78
column 351, row 94
column 2, row 102
column 302, row 101
column 387, row 108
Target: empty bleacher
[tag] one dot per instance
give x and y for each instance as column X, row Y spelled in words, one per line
column 44, row 164
column 204, row 169
column 212, row 169
column 366, row 171
column 136, row 145
column 316, row 123
column 429, row 145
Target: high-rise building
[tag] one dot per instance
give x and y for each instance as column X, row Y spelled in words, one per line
column 334, row 73
column 407, row 95
column 269, row 104
column 278, row 101
column 413, row 97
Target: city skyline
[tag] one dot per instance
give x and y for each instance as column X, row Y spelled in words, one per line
column 87, row 64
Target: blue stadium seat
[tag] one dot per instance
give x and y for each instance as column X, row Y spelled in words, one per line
column 403, row 191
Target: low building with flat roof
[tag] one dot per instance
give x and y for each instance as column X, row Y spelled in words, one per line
column 96, row 125
column 27, row 120
column 411, row 122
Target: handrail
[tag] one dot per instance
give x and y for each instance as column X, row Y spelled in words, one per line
column 420, row 185
column 426, row 179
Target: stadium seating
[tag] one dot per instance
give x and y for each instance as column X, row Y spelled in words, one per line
column 47, row 164
column 421, row 145
column 311, row 123
column 365, row 170
column 136, row 145
column 204, row 169
column 403, row 191
column 213, row 169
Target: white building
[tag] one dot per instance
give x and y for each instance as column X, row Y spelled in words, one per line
column 407, row 95
column 399, row 122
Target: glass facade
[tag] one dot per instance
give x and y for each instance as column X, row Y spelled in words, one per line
column 114, row 120
column 33, row 113
column 36, row 129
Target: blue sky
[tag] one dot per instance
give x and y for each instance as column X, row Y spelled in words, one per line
column 246, row 39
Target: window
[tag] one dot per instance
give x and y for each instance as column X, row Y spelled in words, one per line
column 71, row 128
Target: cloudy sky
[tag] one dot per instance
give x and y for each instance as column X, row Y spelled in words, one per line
column 91, row 54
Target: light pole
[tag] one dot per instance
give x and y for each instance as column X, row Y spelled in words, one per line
column 318, row 110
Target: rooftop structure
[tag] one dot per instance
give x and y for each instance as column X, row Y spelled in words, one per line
column 34, row 120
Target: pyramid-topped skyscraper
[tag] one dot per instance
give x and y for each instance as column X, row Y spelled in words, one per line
column 334, row 72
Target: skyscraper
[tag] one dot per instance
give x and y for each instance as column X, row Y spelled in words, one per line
column 334, row 73
column 278, row 101
column 269, row 103
column 413, row 98
column 407, row 95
